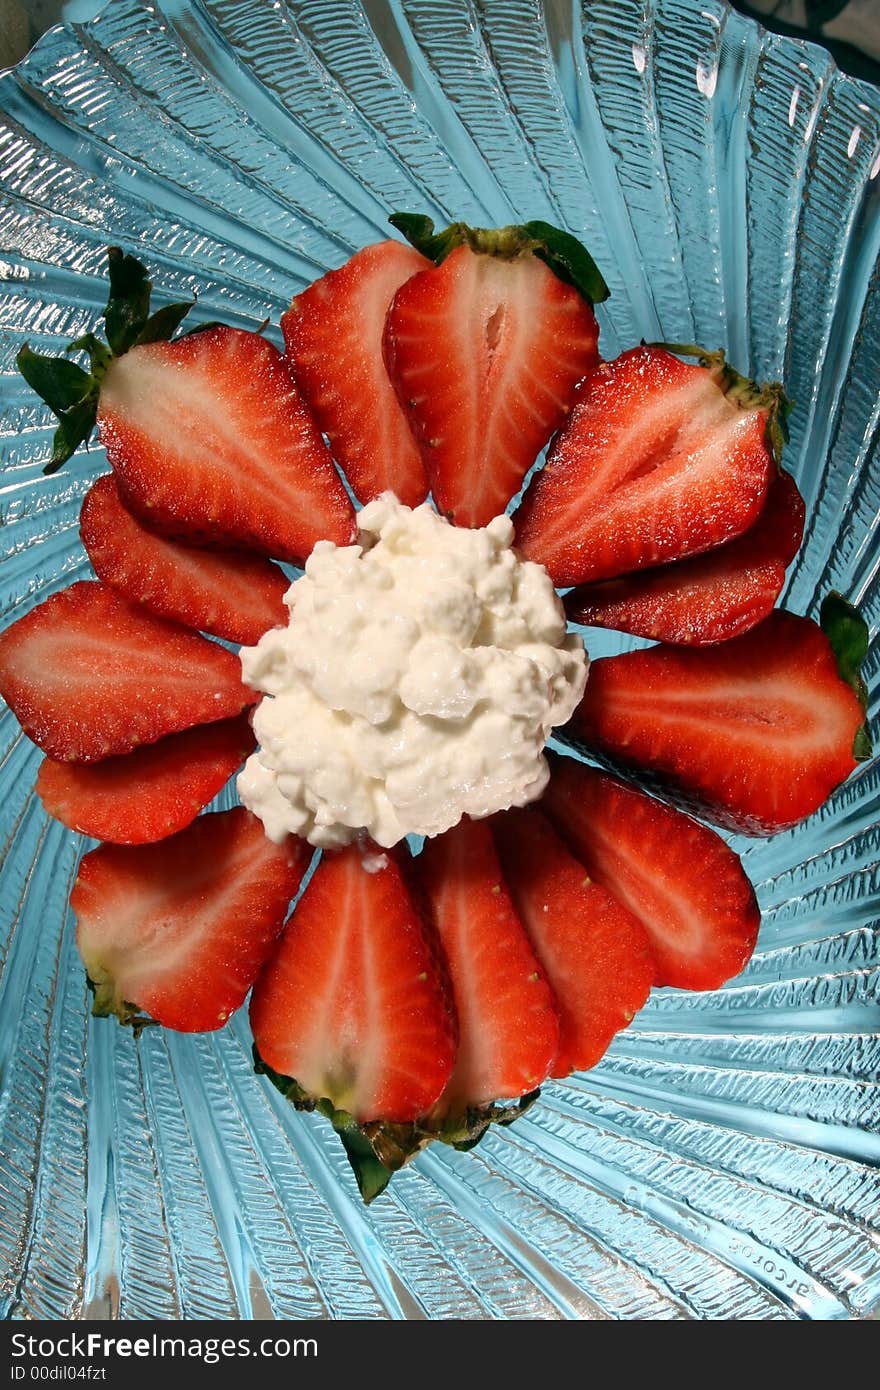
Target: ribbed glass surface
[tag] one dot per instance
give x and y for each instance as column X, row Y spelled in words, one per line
column 723, row 1161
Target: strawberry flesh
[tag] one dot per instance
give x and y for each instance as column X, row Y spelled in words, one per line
column 333, row 341
column 89, row 675
column 224, row 592
column 353, row 1004
column 179, row 930
column 212, row 444
column 757, row 731
column 150, row 793
column 508, row 1028
column 595, row 953
column 677, row 878
column 655, row 463
column 707, row 598
column 485, row 353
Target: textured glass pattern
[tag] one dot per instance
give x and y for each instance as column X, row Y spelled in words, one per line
column 722, row 1161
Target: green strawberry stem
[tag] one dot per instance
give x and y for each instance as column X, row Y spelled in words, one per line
column 744, row 392
column 106, row 1003
column 377, row 1150
column 70, row 391
column 847, row 632
column 567, row 258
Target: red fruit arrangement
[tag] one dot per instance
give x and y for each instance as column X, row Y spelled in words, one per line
column 412, row 998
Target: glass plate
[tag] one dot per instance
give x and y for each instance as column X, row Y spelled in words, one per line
column 721, row 1162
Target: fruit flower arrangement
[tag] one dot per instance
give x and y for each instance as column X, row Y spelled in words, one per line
column 413, row 997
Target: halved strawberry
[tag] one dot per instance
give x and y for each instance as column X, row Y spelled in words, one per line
column 207, row 434
column 89, row 675
column 333, row 341
column 352, row 1005
column 485, row 350
column 178, row 930
column 657, row 461
column 508, row 1028
column 595, row 953
column 150, row 793
column 677, row 878
column 708, row 598
column 224, row 592
column 211, row 443
column 757, row 731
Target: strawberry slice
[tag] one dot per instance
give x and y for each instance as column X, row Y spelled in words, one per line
column 678, row 878
column 211, row 443
column 89, row 675
column 708, row 598
column 333, row 340
column 207, row 433
column 485, row 350
column 658, row 460
column 224, row 592
column 757, row 731
column 353, row 1005
column 508, row 1029
column 179, row 930
column 595, row 953
column 150, row 793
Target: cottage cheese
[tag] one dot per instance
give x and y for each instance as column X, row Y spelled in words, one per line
column 417, row 681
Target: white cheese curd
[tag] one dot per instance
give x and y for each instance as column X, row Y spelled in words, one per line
column 417, row 681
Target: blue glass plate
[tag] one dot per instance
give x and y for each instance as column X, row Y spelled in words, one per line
column 722, row 1161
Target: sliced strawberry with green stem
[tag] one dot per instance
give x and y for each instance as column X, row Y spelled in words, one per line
column 176, row 932
column 89, row 675
column 352, row 1015
column 657, row 461
column 208, row 436
column 596, row 955
column 707, row 598
column 333, row 342
column 150, row 793
column 68, row 389
column 756, row 732
column 485, row 349
column 677, row 878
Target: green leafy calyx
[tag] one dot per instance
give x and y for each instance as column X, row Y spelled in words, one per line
column 70, row 391
column 107, row 1003
column 567, row 258
column 377, row 1149
column 847, row 632
column 770, row 397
